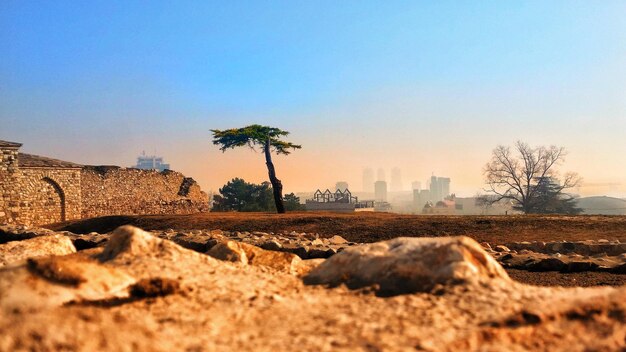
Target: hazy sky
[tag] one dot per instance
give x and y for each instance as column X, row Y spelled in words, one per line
column 429, row 87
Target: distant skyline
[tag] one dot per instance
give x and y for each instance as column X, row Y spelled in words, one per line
column 429, row 87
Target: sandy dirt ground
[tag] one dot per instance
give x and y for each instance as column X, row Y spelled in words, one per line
column 372, row 227
column 222, row 306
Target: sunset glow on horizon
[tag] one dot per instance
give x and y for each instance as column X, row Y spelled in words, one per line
column 426, row 87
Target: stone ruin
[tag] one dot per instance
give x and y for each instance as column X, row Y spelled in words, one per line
column 37, row 190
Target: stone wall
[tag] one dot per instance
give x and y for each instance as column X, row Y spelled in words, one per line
column 36, row 190
column 49, row 195
column 111, row 190
column 9, row 174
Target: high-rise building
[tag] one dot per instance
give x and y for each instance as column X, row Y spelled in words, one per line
column 151, row 162
column 341, row 185
column 420, row 198
column 380, row 191
column 416, row 185
column 396, row 180
column 439, row 188
column 416, row 198
column 368, row 180
column 381, row 175
column 434, row 189
column 444, row 183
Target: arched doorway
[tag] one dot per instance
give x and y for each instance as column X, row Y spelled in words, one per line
column 50, row 201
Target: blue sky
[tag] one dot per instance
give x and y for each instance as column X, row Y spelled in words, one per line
column 379, row 84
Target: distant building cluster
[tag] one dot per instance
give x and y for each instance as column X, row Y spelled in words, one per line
column 339, row 201
column 388, row 195
column 439, row 188
column 438, row 191
column 151, row 162
column 380, row 191
column 396, row 180
column 369, row 182
column 431, row 197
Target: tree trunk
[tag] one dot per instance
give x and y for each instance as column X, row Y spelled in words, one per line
column 277, row 186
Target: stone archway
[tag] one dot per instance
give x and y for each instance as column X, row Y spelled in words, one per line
column 50, row 201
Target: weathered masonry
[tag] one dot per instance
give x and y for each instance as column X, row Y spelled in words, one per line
column 37, row 190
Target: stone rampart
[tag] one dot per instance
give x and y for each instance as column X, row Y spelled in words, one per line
column 49, row 195
column 9, row 196
column 111, row 190
column 37, row 190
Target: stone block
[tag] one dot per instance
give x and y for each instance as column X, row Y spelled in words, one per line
column 405, row 265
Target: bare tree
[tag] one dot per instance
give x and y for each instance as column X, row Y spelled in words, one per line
column 515, row 175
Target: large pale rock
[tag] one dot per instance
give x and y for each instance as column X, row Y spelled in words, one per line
column 127, row 265
column 282, row 261
column 248, row 254
column 35, row 247
column 337, row 240
column 128, row 243
column 231, row 251
column 405, row 265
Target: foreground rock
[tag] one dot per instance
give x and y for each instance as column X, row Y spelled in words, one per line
column 565, row 257
column 405, row 265
column 16, row 251
column 45, row 281
column 143, row 293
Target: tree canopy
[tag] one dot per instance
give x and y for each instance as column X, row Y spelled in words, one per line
column 268, row 138
column 548, row 199
column 239, row 195
column 252, row 136
column 292, row 202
